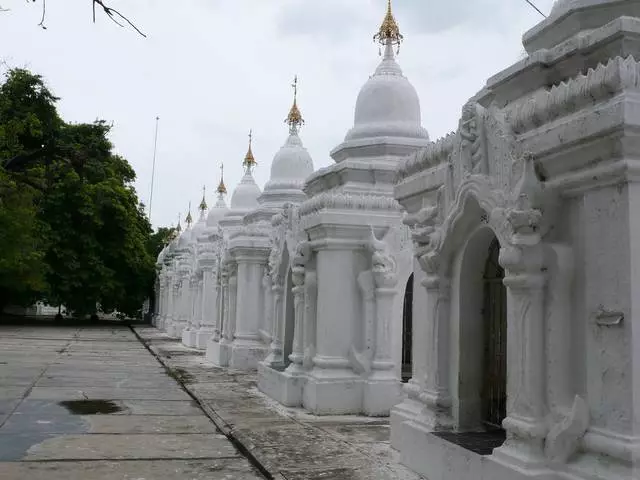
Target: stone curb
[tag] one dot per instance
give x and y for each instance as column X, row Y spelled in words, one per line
column 217, row 420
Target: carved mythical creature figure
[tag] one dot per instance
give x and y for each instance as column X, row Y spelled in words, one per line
column 423, row 223
column 303, row 254
column 383, row 265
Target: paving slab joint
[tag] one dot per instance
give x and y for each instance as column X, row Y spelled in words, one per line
column 220, row 424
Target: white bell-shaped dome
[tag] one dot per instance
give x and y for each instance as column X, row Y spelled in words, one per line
column 387, row 105
column 161, row 255
column 291, row 165
column 245, row 196
column 218, row 212
column 185, row 238
column 200, row 226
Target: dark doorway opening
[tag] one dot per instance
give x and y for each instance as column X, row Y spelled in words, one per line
column 407, row 331
column 494, row 385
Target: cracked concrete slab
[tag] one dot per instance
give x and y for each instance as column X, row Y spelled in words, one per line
column 128, row 419
column 125, row 447
column 135, row 424
column 227, row 468
column 80, row 392
column 290, row 443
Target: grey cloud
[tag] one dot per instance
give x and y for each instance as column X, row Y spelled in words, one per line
column 330, row 18
column 441, row 15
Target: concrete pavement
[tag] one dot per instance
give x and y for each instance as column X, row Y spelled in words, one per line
column 288, row 442
column 92, row 402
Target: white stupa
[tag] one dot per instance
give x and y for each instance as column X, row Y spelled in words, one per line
column 246, row 194
column 220, row 209
column 387, row 108
column 291, row 165
column 199, row 229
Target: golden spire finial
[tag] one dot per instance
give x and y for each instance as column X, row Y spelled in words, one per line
column 189, row 218
column 222, row 189
column 389, row 33
column 294, row 119
column 203, row 204
column 249, row 160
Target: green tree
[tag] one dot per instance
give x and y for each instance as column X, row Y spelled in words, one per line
column 99, row 243
column 22, row 267
column 28, row 125
column 76, row 233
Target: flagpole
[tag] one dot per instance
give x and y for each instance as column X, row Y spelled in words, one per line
column 153, row 169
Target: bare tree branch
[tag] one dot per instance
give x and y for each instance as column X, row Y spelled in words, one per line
column 44, row 13
column 111, row 13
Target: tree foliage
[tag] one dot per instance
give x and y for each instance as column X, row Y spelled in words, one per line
column 76, row 233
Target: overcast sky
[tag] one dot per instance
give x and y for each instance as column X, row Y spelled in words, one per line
column 213, row 69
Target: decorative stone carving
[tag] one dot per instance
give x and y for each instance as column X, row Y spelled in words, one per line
column 347, row 201
column 568, row 97
column 361, row 360
column 473, row 154
column 564, row 437
column 383, row 265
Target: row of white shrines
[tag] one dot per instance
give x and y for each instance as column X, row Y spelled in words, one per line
column 521, row 229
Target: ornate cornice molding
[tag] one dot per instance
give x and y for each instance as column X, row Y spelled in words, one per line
column 348, row 201
column 598, row 84
column 434, row 154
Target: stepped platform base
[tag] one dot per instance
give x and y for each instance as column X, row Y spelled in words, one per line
column 283, row 386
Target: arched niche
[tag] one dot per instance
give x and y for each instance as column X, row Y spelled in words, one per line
column 478, row 331
column 406, row 359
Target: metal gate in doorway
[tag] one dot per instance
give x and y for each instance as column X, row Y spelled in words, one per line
column 494, row 394
column 407, row 331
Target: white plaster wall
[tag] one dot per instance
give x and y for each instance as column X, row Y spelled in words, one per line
column 607, row 282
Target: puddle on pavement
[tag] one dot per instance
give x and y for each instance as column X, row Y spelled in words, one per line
column 91, row 407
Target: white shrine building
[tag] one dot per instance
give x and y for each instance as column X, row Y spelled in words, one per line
column 518, row 229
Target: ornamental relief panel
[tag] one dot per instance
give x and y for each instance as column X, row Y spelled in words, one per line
column 285, row 234
column 483, row 161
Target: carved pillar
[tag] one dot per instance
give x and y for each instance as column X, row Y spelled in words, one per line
column 233, row 295
column 208, row 299
column 197, row 316
column 336, row 267
column 168, row 318
column 526, row 390
column 435, row 393
column 225, row 307
column 310, row 315
column 249, row 280
column 367, row 290
column 297, row 351
column 275, row 356
column 385, row 295
column 267, row 324
column 160, row 303
column 218, row 312
column 186, row 302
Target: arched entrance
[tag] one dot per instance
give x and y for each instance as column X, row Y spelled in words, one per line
column 494, row 312
column 407, row 329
